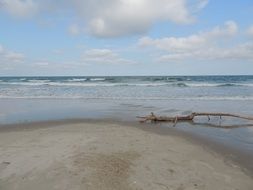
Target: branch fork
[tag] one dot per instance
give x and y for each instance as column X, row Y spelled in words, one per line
column 153, row 118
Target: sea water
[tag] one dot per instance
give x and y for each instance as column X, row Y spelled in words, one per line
column 131, row 88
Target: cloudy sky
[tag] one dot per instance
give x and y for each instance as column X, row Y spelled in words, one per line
column 126, row 37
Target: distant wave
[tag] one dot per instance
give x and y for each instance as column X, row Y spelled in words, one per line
column 230, row 85
column 218, row 84
column 211, row 98
column 86, row 82
column 76, row 80
column 34, row 83
column 180, row 84
column 97, row 79
column 174, row 79
column 90, row 84
column 38, row 81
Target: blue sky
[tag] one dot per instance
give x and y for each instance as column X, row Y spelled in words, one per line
column 126, row 37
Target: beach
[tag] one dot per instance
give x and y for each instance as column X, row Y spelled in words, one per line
column 110, row 155
column 82, row 133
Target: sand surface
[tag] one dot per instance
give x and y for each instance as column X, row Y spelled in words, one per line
column 110, row 156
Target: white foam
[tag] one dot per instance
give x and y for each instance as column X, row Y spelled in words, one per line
column 218, row 84
column 38, row 81
column 77, row 80
column 24, row 83
column 97, row 79
column 202, row 84
column 96, row 82
column 81, row 84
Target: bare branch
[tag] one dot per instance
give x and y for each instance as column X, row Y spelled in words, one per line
column 154, row 118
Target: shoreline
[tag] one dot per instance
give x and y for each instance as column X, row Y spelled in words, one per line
column 232, row 155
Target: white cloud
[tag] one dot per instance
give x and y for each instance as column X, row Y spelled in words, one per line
column 20, row 8
column 10, row 59
column 250, row 31
column 111, row 18
column 202, row 4
column 7, row 56
column 103, row 56
column 211, row 44
column 14, row 57
column 240, row 52
column 116, row 18
column 195, row 41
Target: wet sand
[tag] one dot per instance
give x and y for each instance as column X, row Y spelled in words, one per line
column 109, row 155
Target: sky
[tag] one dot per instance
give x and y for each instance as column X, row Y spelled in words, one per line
column 126, row 37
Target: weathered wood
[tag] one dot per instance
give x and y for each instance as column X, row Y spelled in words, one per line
column 153, row 118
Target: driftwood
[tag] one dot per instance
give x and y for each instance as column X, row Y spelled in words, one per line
column 153, row 118
column 213, row 125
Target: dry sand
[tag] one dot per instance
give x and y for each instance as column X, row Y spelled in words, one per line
column 110, row 156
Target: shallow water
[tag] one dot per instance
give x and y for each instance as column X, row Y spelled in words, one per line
column 239, row 135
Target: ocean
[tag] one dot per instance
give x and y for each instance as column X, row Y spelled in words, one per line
column 29, row 99
column 135, row 87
